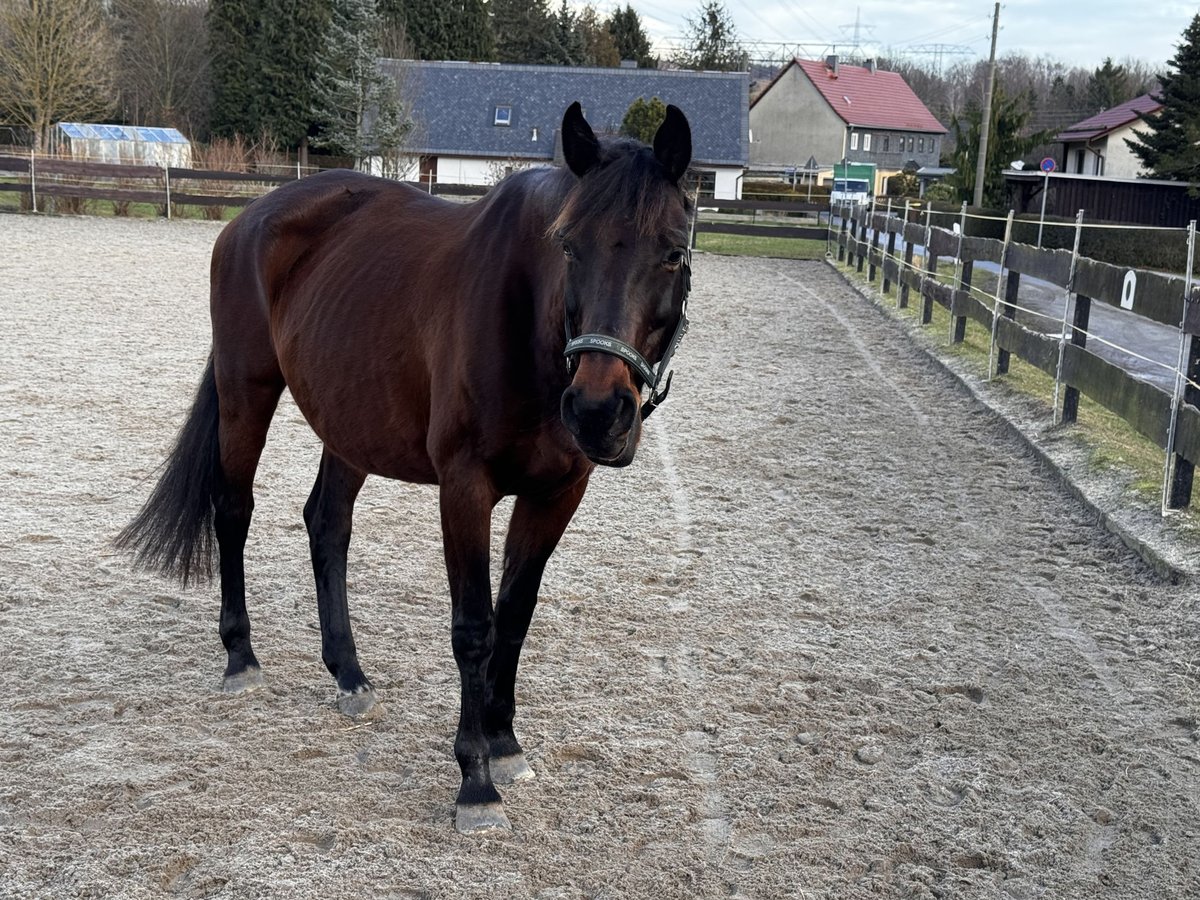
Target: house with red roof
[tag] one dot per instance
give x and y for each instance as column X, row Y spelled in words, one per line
column 1097, row 146
column 833, row 113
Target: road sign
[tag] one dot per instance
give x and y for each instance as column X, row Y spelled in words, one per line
column 1048, row 165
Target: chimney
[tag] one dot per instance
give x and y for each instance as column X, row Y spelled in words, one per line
column 872, row 65
column 831, row 63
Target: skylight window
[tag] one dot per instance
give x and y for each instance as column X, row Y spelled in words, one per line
column 503, row 115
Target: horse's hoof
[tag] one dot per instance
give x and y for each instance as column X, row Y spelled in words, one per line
column 249, row 679
column 480, row 818
column 356, row 703
column 510, row 769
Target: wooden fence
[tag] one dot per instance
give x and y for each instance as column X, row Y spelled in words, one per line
column 39, row 177
column 1169, row 419
column 780, row 219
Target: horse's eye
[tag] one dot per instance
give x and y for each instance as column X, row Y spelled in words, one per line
column 567, row 251
column 674, row 259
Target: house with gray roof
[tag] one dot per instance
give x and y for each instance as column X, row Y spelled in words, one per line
column 477, row 121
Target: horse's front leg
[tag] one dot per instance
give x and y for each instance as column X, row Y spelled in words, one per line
column 536, row 526
column 466, row 507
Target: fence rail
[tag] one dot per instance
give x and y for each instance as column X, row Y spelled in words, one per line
column 908, row 253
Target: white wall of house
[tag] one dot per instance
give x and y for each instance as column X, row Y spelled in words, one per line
column 1121, row 161
column 1108, row 156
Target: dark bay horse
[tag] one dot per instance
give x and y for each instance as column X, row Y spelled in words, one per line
column 494, row 349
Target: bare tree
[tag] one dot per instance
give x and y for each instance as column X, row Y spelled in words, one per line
column 55, row 63
column 163, row 73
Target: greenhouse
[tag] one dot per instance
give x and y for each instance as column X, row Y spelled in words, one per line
column 130, row 144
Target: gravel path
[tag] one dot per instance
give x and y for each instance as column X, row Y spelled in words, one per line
column 832, row 636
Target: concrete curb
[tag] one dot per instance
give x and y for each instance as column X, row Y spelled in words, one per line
column 1174, row 556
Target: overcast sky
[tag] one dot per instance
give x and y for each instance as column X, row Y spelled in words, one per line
column 1077, row 33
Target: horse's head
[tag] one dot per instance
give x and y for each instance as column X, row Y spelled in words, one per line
column 624, row 232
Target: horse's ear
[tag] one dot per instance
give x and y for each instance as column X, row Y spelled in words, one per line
column 673, row 143
column 580, row 147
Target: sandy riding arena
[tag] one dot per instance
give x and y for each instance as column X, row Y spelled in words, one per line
column 833, row 635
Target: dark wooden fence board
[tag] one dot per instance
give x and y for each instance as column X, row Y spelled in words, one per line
column 788, row 206
column 1156, row 296
column 94, row 170
column 1049, row 265
column 1144, row 406
column 89, row 192
column 212, row 175
column 186, row 199
column 914, row 234
column 1032, row 346
column 943, row 243
column 812, row 232
column 988, row 249
column 16, row 164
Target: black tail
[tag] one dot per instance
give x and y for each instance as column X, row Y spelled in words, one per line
column 173, row 534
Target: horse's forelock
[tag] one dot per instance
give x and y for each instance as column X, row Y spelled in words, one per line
column 628, row 183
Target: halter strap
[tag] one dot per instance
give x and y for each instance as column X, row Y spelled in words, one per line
column 602, row 343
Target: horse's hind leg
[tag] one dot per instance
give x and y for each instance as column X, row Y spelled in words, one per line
column 246, row 411
column 328, row 515
column 536, row 526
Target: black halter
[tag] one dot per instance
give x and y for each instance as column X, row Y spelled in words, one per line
column 602, row 343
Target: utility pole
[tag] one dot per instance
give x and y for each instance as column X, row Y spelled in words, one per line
column 985, row 124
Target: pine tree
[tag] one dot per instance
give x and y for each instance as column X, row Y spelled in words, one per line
column 568, row 42
column 599, row 49
column 625, row 26
column 471, row 34
column 1009, row 139
column 1169, row 146
column 524, row 31
column 231, row 26
column 353, row 91
column 1108, row 86
column 712, row 42
column 291, row 38
column 425, row 24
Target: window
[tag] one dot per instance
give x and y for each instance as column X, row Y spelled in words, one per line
column 886, row 141
column 921, row 144
column 503, row 115
column 867, row 143
column 911, row 141
column 854, row 140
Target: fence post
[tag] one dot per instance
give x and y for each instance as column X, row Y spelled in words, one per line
column 32, row 182
column 962, row 274
column 1062, row 332
column 874, row 243
column 890, row 253
column 1000, row 279
column 930, row 268
column 902, row 298
column 843, row 232
column 167, row 183
column 1177, row 471
column 861, row 241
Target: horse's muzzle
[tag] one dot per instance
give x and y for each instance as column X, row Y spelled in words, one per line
column 606, row 425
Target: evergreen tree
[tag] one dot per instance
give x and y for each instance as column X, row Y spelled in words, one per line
column 425, row 23
column 568, row 42
column 524, row 31
column 1168, row 147
column 292, row 36
column 1109, row 86
column 643, row 118
column 712, row 42
column 471, row 33
column 353, row 91
column 1009, row 138
column 599, row 48
column 231, row 27
column 625, row 26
